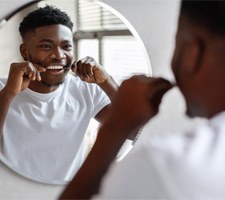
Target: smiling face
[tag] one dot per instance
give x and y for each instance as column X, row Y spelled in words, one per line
column 51, row 47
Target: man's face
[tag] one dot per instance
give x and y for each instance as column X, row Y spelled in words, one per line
column 51, row 47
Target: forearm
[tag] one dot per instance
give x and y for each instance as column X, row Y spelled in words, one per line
column 6, row 98
column 110, row 87
column 87, row 181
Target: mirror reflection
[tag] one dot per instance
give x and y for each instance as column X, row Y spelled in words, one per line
column 48, row 133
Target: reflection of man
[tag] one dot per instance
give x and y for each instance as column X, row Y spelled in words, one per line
column 44, row 111
column 184, row 166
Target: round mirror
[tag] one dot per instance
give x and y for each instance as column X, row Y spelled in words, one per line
column 100, row 32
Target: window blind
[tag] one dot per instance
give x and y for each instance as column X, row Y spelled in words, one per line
column 92, row 16
column 123, row 57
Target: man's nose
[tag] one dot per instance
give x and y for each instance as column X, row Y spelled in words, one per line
column 58, row 54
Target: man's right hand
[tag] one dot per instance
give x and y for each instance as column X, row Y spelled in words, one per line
column 20, row 75
column 137, row 101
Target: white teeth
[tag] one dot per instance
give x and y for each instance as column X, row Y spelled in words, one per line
column 54, row 67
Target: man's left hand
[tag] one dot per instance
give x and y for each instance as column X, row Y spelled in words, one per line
column 89, row 70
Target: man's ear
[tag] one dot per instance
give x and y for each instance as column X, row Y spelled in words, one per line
column 24, row 52
column 194, row 54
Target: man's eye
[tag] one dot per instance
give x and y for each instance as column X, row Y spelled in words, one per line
column 45, row 46
column 68, row 46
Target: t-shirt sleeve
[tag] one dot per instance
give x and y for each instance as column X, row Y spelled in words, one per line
column 100, row 100
column 91, row 97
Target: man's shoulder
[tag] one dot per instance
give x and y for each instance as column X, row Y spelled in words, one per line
column 71, row 79
column 192, row 143
column 75, row 81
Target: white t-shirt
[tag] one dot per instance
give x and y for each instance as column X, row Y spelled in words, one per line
column 178, row 166
column 43, row 133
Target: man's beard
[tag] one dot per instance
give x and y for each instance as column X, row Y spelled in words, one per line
column 52, row 85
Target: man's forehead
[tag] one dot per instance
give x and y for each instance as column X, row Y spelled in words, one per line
column 50, row 32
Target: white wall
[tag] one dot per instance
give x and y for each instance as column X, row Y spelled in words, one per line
column 155, row 21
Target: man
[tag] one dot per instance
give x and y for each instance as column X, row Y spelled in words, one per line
column 183, row 166
column 44, row 111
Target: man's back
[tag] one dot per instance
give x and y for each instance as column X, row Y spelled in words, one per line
column 184, row 166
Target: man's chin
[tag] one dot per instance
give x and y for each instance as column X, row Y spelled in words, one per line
column 52, row 84
column 53, row 80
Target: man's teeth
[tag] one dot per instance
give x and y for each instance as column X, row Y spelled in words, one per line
column 54, row 67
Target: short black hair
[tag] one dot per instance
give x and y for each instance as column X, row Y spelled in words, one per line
column 209, row 14
column 44, row 16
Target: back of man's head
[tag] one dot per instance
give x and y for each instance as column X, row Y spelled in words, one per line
column 209, row 14
column 47, row 15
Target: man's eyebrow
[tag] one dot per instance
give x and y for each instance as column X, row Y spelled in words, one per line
column 46, row 40
column 51, row 41
column 67, row 41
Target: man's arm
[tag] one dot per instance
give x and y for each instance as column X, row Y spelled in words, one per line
column 6, row 98
column 110, row 87
column 20, row 75
column 87, row 181
column 91, row 72
column 136, row 102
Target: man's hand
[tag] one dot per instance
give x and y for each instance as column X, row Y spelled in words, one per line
column 20, row 75
column 137, row 101
column 90, row 71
